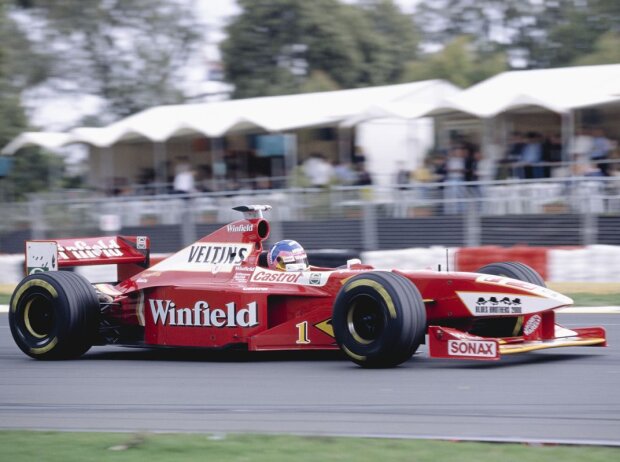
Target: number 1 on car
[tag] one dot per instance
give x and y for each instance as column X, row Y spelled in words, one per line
column 302, row 331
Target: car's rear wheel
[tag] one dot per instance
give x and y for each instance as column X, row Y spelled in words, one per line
column 513, row 326
column 54, row 315
column 379, row 319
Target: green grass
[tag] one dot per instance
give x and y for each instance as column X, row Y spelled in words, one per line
column 4, row 299
column 17, row 446
column 585, row 299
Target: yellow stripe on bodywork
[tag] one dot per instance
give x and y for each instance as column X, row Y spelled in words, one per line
column 380, row 290
column 32, row 283
column 509, row 349
column 518, row 325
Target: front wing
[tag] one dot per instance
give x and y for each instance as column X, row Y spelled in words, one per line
column 539, row 332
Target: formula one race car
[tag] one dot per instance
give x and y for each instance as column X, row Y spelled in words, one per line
column 219, row 292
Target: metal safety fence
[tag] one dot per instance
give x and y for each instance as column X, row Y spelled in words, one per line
column 567, row 211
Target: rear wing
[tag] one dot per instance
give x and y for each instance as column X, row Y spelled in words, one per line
column 130, row 253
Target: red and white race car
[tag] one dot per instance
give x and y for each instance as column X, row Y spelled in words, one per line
column 219, row 292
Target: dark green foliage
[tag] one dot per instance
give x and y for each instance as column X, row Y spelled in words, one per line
column 534, row 34
column 288, row 46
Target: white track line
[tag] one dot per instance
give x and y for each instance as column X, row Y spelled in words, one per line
column 590, row 310
column 571, row 310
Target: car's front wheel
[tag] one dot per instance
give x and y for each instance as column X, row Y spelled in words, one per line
column 379, row 319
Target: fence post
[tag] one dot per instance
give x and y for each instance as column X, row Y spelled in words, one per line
column 37, row 218
column 370, row 238
column 276, row 233
column 589, row 226
column 188, row 224
column 472, row 224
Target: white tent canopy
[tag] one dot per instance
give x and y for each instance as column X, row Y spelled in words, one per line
column 271, row 114
column 559, row 90
column 49, row 140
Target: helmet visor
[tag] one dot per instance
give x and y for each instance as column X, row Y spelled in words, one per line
column 292, row 261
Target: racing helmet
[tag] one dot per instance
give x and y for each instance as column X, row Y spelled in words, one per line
column 287, row 255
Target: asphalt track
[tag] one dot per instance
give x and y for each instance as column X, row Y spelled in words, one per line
column 569, row 395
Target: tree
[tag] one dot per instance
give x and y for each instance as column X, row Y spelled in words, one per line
column 129, row 53
column 458, row 62
column 284, row 46
column 606, row 51
column 534, row 34
column 12, row 78
column 19, row 68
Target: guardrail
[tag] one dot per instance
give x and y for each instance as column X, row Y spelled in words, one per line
column 465, row 213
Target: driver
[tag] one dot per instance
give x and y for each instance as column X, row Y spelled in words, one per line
column 287, row 255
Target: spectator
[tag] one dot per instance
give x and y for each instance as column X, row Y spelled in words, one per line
column 552, row 154
column 318, row 170
column 184, row 178
column 513, row 157
column 440, row 165
column 402, row 175
column 455, row 175
column 363, row 176
column 472, row 156
column 601, row 148
column 580, row 152
column 343, row 173
column 532, row 156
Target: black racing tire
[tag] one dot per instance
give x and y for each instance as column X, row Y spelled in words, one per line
column 54, row 315
column 379, row 319
column 512, row 326
column 514, row 270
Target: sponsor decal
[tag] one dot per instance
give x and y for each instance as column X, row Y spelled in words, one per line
column 477, row 348
column 81, row 250
column 141, row 243
column 276, row 276
column 506, row 304
column 292, row 277
column 532, row 324
column 214, row 257
column 315, row 279
column 216, row 254
column 151, row 274
column 167, row 313
column 241, row 277
column 495, row 305
column 41, row 257
column 240, row 228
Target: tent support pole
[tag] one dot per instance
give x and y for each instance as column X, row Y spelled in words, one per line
column 106, row 162
column 487, row 151
column 344, row 143
column 161, row 173
column 568, row 133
